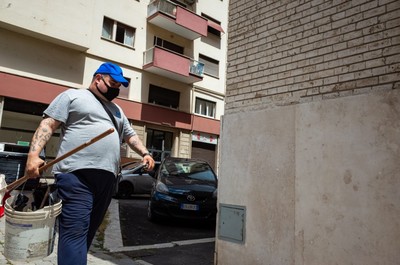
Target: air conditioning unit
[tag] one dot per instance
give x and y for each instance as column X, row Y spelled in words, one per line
column 190, row 2
column 13, row 159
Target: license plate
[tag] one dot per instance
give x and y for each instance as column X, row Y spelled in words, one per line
column 190, row 207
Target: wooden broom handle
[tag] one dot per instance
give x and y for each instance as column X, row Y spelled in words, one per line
column 19, row 181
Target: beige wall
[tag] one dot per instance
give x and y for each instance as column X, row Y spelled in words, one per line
column 61, row 23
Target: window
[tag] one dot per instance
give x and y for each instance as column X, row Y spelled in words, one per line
column 164, row 97
column 26, row 107
column 211, row 66
column 205, row 107
column 159, row 143
column 168, row 45
column 118, row 32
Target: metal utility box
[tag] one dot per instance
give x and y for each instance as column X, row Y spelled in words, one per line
column 232, row 223
column 13, row 159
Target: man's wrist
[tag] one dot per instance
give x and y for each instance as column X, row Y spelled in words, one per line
column 146, row 154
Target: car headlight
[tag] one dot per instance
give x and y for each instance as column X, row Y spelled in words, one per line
column 161, row 187
column 215, row 193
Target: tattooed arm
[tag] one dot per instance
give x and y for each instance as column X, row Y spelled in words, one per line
column 42, row 135
column 137, row 145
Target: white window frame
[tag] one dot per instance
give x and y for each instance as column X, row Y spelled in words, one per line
column 205, row 107
column 110, row 29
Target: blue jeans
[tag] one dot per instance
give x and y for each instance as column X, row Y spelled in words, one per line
column 86, row 195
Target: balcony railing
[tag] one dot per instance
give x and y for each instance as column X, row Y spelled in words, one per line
column 196, row 67
column 148, row 56
column 177, row 19
column 164, row 6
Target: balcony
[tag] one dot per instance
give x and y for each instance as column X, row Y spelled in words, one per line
column 174, row 18
column 172, row 65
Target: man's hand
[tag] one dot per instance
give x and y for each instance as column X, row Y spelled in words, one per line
column 32, row 166
column 136, row 144
column 149, row 162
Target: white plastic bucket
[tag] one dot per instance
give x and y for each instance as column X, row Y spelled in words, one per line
column 29, row 235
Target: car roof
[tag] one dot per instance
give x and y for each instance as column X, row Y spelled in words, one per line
column 136, row 162
column 181, row 159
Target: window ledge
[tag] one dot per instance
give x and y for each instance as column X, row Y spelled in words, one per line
column 118, row 43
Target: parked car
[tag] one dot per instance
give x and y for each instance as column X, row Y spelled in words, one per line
column 185, row 188
column 135, row 180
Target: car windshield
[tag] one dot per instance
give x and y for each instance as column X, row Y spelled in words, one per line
column 192, row 170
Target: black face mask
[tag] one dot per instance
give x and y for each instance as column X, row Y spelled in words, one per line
column 111, row 92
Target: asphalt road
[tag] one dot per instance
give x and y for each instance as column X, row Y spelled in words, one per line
column 136, row 230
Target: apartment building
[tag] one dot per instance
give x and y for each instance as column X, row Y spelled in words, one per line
column 173, row 52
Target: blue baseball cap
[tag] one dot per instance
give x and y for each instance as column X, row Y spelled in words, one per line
column 114, row 71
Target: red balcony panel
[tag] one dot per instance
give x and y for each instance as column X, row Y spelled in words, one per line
column 179, row 20
column 166, row 63
column 203, row 124
column 28, row 89
column 191, row 21
column 132, row 109
column 166, row 117
column 39, row 91
column 154, row 114
column 171, row 61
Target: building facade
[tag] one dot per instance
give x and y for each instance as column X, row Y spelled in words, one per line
column 173, row 53
column 313, row 95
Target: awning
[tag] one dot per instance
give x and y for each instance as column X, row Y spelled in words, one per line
column 215, row 26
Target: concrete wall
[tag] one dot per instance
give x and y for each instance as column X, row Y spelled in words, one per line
column 320, row 182
column 311, row 133
column 347, row 180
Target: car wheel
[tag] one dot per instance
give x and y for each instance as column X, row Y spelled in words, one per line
column 125, row 190
column 151, row 216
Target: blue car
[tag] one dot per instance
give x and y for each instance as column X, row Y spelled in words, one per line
column 184, row 189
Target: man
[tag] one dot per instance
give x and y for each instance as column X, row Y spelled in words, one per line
column 85, row 180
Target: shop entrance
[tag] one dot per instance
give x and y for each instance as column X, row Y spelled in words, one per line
column 205, row 152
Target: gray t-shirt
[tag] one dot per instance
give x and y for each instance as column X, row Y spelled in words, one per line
column 83, row 118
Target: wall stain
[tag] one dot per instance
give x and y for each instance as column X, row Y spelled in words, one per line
column 347, row 177
column 325, row 198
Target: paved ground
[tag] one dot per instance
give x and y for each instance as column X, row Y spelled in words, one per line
column 185, row 242
column 111, row 250
column 136, row 230
column 196, row 254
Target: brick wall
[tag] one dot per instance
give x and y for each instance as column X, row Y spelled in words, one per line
column 288, row 52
